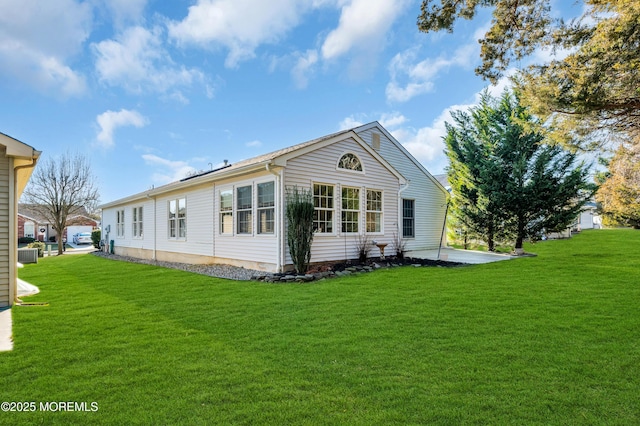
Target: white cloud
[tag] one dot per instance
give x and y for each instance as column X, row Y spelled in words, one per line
column 137, row 61
column 109, row 121
column 363, row 23
column 303, row 68
column 418, row 78
column 167, row 170
column 254, row 144
column 238, row 25
column 38, row 38
column 126, row 11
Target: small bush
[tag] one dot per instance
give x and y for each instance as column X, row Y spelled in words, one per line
column 39, row 245
column 26, row 240
column 300, row 226
column 96, row 234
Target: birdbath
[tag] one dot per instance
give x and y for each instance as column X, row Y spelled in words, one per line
column 381, row 246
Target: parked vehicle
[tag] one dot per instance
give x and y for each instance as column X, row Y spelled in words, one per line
column 82, row 238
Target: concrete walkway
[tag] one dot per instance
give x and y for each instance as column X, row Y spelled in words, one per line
column 462, row 256
column 6, row 342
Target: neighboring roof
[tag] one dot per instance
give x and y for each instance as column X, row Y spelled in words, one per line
column 401, row 147
column 272, row 159
column 32, row 212
column 444, row 181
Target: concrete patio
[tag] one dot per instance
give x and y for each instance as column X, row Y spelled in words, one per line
column 462, row 256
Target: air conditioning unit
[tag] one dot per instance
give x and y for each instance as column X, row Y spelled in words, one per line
column 28, row 255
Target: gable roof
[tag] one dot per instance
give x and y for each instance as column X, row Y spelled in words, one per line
column 401, row 147
column 276, row 159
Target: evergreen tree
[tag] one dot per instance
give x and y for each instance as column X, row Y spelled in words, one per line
column 591, row 89
column 507, row 181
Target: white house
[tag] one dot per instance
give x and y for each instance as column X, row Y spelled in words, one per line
column 365, row 185
column 17, row 161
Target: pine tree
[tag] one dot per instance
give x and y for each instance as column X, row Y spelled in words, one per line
column 507, row 181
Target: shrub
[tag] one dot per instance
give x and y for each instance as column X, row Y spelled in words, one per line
column 26, row 240
column 363, row 246
column 96, row 234
column 39, row 245
column 300, row 227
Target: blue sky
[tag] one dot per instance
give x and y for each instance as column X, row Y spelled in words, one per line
column 152, row 90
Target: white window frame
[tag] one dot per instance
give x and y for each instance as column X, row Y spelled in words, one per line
column 349, row 210
column 412, row 218
column 374, row 209
column 265, row 208
column 177, row 221
column 244, row 212
column 120, row 223
column 323, row 206
column 339, row 164
column 137, row 218
column 226, row 211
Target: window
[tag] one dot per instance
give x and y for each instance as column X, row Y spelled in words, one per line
column 120, row 223
column 243, row 209
column 178, row 218
column 350, row 209
column 323, row 208
column 29, row 229
column 226, row 212
column 374, row 211
column 408, row 218
column 266, row 210
column 136, row 225
column 350, row 162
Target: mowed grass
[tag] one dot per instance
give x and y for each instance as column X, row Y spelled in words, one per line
column 552, row 339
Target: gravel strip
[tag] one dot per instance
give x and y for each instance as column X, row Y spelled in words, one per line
column 220, row 271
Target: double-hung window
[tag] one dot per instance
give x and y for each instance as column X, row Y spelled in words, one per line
column 266, row 208
column 226, row 212
column 244, row 215
column 120, row 223
column 136, row 225
column 178, row 218
column 350, row 209
column 323, row 208
column 374, row 211
column 408, row 218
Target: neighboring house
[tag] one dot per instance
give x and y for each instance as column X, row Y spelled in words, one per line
column 17, row 161
column 32, row 223
column 364, row 183
column 589, row 218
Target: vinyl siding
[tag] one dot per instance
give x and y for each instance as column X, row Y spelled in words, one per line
column 5, row 245
column 203, row 238
column 430, row 200
column 319, row 166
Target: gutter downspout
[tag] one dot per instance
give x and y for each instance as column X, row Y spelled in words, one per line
column 13, row 212
column 279, row 216
column 155, row 226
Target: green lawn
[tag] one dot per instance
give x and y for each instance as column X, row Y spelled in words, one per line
column 553, row 339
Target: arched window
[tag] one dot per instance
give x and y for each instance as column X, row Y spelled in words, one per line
column 350, row 161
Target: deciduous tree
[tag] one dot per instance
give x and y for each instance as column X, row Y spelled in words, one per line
column 619, row 194
column 62, row 187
